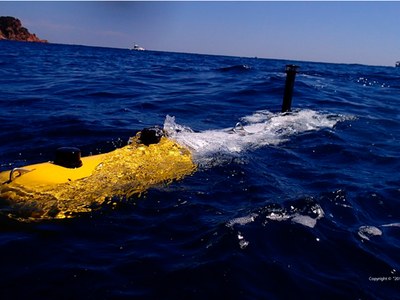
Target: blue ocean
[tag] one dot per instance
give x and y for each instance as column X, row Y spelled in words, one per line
column 299, row 205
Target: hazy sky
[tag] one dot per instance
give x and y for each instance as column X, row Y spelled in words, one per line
column 342, row 32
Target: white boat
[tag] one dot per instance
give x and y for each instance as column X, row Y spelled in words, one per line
column 137, row 48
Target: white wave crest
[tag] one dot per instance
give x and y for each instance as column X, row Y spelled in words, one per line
column 257, row 130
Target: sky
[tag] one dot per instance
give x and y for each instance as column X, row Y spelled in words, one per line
column 337, row 32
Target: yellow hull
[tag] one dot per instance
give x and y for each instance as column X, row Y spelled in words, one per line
column 48, row 173
column 47, row 190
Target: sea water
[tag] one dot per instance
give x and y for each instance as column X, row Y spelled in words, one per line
column 282, row 206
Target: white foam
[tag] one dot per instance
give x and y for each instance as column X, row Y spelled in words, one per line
column 366, row 232
column 278, row 216
column 242, row 220
column 304, row 220
column 296, row 217
column 257, row 130
column 281, row 215
column 317, row 209
column 391, row 225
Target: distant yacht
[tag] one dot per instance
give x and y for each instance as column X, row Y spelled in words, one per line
column 398, row 63
column 137, row 48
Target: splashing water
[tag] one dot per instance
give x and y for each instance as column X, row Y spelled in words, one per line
column 257, row 130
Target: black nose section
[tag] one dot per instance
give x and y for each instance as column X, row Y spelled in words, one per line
column 151, row 135
column 68, row 157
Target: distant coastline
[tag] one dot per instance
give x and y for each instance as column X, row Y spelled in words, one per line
column 11, row 29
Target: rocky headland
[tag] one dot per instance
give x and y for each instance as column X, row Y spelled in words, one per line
column 11, row 29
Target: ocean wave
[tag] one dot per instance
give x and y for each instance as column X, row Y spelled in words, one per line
column 236, row 68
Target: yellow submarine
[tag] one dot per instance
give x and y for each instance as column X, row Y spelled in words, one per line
column 73, row 184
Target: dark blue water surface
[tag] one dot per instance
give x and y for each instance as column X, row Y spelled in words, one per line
column 313, row 215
